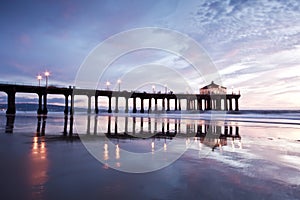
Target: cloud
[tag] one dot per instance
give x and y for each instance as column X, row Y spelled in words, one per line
column 254, row 44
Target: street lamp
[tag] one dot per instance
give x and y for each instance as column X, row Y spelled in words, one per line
column 166, row 88
column 39, row 78
column 47, row 74
column 107, row 85
column 119, row 85
column 153, row 89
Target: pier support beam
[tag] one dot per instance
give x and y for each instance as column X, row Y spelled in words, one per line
column 168, row 104
column 40, row 109
column 142, row 106
column 176, row 104
column 72, row 105
column 149, row 106
column 66, row 110
column 96, row 104
column 109, row 105
column 155, row 102
column 200, row 104
column 117, row 105
column 230, row 104
column 126, row 104
column 236, row 104
column 209, row 104
column 11, row 102
column 134, row 105
column 45, row 110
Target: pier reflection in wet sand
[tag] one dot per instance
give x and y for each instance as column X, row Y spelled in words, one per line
column 146, row 127
column 114, row 140
column 10, row 121
column 210, row 133
column 121, row 138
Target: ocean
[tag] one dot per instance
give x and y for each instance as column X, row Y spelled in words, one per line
column 249, row 155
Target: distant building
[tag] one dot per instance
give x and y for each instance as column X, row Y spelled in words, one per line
column 213, row 89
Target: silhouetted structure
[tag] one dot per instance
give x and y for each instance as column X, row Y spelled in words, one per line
column 213, row 89
column 212, row 97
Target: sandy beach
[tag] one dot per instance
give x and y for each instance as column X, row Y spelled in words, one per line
column 39, row 161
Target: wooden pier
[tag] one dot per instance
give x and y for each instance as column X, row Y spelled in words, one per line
column 197, row 102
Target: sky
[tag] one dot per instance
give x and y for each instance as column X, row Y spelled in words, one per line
column 254, row 45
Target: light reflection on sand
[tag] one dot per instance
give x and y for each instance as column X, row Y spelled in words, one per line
column 38, row 168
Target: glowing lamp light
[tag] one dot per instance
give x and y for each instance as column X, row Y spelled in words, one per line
column 107, row 85
column 39, row 78
column 47, row 74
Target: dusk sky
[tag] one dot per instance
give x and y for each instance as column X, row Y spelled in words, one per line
column 255, row 45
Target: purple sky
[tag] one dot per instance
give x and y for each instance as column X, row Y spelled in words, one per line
column 255, row 45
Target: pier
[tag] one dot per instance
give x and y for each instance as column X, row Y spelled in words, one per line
column 194, row 102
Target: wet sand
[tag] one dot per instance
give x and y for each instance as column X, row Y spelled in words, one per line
column 48, row 164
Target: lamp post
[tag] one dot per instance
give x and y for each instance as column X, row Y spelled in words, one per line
column 119, row 85
column 107, row 85
column 153, row 89
column 47, row 74
column 166, row 88
column 39, row 78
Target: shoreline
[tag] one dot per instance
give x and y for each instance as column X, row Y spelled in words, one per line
column 262, row 117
